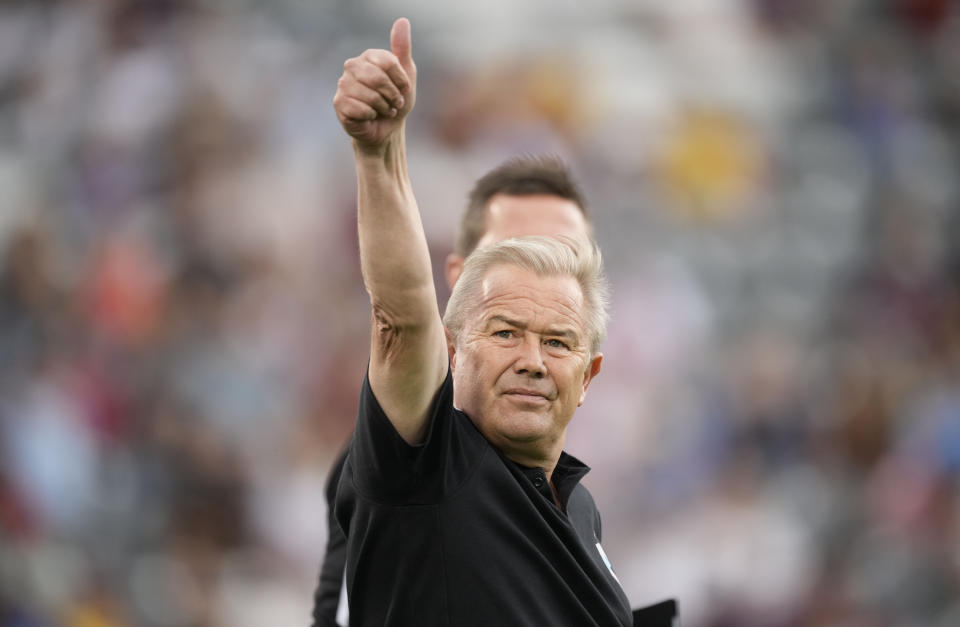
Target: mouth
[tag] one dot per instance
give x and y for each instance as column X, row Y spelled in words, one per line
column 525, row 395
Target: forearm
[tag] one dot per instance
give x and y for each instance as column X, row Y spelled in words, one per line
column 394, row 257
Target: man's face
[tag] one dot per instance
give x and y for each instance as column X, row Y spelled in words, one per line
column 516, row 216
column 522, row 364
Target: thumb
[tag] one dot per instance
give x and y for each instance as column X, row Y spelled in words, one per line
column 400, row 42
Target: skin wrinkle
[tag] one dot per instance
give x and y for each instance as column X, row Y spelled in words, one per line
column 391, row 315
column 572, row 309
column 568, row 335
column 387, row 334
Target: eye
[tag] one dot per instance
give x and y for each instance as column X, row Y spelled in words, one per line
column 504, row 333
column 555, row 343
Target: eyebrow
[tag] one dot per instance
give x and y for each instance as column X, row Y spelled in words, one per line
column 563, row 332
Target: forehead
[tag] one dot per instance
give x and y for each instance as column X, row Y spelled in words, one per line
column 537, row 214
column 523, row 296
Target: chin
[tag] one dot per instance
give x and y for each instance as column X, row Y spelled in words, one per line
column 523, row 427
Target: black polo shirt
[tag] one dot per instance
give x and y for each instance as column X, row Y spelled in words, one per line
column 453, row 533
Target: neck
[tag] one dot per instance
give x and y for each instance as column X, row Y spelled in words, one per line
column 525, row 458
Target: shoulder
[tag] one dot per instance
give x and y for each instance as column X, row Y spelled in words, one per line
column 387, row 469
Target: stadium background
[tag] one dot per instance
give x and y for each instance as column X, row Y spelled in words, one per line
column 776, row 433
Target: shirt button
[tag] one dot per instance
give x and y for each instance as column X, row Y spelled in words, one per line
column 538, row 481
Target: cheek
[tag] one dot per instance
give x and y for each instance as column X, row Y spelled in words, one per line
column 574, row 385
column 473, row 371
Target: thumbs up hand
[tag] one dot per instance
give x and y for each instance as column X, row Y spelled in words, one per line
column 377, row 90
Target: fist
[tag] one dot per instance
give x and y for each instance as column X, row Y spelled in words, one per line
column 377, row 90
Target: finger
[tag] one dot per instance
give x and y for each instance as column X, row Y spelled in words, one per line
column 400, row 42
column 380, row 71
column 393, row 81
column 353, row 110
column 358, row 91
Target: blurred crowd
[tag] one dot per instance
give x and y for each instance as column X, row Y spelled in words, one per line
column 775, row 436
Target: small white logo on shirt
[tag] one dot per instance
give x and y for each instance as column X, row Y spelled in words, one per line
column 606, row 561
column 343, row 607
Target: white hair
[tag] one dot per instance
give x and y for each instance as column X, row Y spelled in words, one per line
column 544, row 256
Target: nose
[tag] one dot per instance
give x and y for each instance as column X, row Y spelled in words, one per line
column 530, row 358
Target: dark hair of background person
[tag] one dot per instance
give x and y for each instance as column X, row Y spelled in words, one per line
column 521, row 176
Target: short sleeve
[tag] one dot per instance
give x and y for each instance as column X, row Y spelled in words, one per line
column 387, row 469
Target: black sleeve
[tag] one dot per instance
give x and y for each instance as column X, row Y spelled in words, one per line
column 326, row 599
column 661, row 614
column 387, row 469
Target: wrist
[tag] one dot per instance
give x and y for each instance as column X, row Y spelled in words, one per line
column 380, row 151
column 385, row 160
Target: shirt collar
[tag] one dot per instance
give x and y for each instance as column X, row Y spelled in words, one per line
column 566, row 475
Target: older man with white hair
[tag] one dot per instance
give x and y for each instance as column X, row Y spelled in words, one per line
column 460, row 506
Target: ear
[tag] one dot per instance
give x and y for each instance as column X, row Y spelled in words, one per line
column 451, row 348
column 452, row 268
column 592, row 370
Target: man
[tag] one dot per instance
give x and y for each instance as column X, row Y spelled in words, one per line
column 524, row 196
column 471, row 515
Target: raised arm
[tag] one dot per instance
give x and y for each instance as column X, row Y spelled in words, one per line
column 408, row 357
